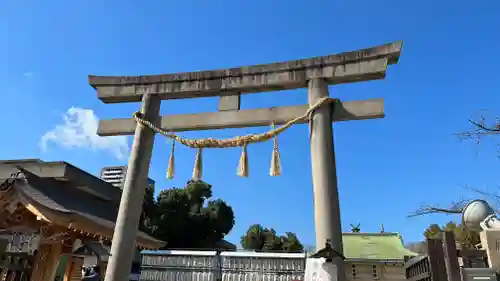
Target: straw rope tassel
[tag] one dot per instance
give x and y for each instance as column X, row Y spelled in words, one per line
column 171, row 163
column 275, row 169
column 198, row 165
column 243, row 164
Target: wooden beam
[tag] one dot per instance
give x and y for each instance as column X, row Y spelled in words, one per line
column 343, row 111
column 70, row 268
column 46, row 262
column 355, row 66
column 471, row 253
column 450, row 256
column 435, row 254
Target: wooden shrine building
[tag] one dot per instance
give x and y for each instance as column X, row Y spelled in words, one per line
column 63, row 205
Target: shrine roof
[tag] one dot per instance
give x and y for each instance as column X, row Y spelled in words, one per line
column 375, row 246
column 65, row 172
column 60, row 202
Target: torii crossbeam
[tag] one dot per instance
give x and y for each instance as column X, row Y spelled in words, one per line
column 314, row 73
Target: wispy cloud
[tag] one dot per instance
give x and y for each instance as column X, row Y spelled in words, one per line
column 78, row 130
column 28, row 74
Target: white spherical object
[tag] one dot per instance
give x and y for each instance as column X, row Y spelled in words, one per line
column 474, row 213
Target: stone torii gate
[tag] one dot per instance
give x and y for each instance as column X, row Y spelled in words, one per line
column 314, row 73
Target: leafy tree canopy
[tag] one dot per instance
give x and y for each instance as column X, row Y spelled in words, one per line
column 466, row 239
column 186, row 217
column 263, row 239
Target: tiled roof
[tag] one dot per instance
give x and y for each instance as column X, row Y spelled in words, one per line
column 63, row 197
column 376, row 246
column 65, row 200
column 63, row 171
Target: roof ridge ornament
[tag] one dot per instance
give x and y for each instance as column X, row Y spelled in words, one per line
column 19, row 174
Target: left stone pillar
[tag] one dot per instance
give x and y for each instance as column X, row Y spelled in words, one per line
column 127, row 222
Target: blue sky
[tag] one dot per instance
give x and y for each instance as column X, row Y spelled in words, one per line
column 386, row 167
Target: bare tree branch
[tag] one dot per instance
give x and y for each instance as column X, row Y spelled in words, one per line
column 480, row 128
column 458, row 206
column 488, row 195
column 492, row 197
column 494, row 129
column 455, row 208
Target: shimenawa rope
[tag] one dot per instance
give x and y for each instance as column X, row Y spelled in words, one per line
column 239, row 141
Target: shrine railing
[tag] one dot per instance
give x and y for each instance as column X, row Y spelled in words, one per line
column 212, row 265
column 15, row 266
column 443, row 260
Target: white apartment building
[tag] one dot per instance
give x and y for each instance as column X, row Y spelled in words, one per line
column 116, row 176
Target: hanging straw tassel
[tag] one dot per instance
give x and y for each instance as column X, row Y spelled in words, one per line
column 198, row 165
column 171, row 162
column 275, row 169
column 243, row 165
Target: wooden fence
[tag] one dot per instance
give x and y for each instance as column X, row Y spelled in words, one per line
column 15, row 266
column 442, row 261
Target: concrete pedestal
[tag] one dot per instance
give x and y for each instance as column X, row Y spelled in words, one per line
column 490, row 240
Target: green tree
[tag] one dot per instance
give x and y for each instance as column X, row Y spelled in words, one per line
column 466, row 239
column 433, row 231
column 186, row 217
column 253, row 240
column 148, row 211
column 258, row 238
column 290, row 243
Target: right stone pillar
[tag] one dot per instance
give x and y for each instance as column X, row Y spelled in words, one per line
column 324, row 175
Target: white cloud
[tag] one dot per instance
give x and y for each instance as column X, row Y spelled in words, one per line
column 28, row 74
column 78, row 130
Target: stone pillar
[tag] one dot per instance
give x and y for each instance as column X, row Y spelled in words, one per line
column 129, row 213
column 324, row 175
